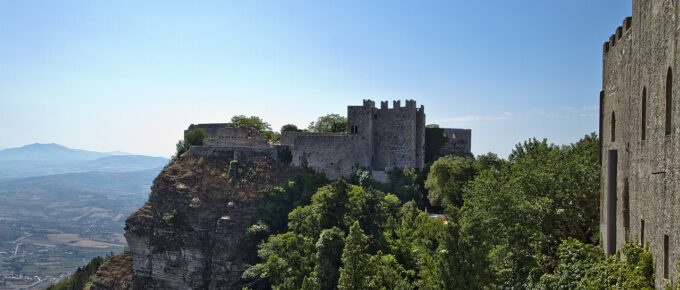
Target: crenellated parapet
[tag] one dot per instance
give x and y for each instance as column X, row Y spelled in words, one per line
column 380, row 139
column 618, row 35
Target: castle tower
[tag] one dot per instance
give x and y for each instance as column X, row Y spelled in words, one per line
column 639, row 133
column 360, row 130
column 398, row 136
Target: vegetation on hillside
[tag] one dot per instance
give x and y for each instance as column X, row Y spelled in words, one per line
column 528, row 222
column 81, row 278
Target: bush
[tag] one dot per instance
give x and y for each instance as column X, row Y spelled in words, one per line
column 193, row 137
column 329, row 123
column 289, row 127
column 81, row 278
column 233, row 170
column 285, row 155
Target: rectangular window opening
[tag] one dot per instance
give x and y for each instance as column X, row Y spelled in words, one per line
column 666, row 249
column 642, row 232
column 610, row 246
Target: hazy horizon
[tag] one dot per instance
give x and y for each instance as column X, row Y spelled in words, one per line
column 129, row 76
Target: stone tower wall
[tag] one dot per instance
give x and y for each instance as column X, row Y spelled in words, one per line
column 394, row 137
column 644, row 185
column 361, row 118
column 379, row 139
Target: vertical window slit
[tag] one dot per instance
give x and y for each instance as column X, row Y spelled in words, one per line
column 643, row 130
column 669, row 101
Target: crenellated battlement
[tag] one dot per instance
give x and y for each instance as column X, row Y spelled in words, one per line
column 396, row 104
column 618, row 35
column 377, row 138
column 369, row 103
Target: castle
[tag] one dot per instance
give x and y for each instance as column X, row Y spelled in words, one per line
column 640, row 135
column 377, row 139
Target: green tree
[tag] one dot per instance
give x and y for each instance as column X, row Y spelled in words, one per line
column 277, row 203
column 81, row 278
column 331, row 203
column 636, row 271
column 286, row 260
column 193, row 137
column 574, row 260
column 543, row 195
column 369, row 208
column 461, row 262
column 329, row 250
column 405, row 184
column 329, row 123
column 489, row 161
column 253, row 122
column 387, row 274
column 289, row 127
column 447, row 178
column 355, row 269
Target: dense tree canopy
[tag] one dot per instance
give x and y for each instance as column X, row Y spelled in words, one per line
column 289, row 127
column 529, row 222
column 258, row 124
column 253, row 121
column 329, row 123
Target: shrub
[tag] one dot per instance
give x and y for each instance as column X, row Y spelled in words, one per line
column 193, row 137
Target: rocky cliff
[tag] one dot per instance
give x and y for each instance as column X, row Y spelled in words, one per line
column 190, row 234
column 115, row 273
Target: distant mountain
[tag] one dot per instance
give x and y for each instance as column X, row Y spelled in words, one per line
column 87, row 203
column 120, row 163
column 61, row 185
column 50, row 159
column 48, row 152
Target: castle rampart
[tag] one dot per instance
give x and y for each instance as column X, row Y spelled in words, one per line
column 640, row 128
column 378, row 139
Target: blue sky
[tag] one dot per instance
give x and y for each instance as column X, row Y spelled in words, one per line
column 127, row 75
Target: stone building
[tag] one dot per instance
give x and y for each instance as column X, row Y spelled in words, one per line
column 640, row 135
column 378, row 139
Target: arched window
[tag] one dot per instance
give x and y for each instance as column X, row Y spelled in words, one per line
column 669, row 101
column 613, row 129
column 643, row 129
column 354, row 129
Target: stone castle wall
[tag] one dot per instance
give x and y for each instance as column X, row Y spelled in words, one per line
column 225, row 135
column 336, row 156
column 640, row 169
column 458, row 142
column 379, row 139
column 395, row 137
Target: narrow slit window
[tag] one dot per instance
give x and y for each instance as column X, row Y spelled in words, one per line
column 666, row 249
column 642, row 232
column 613, row 129
column 643, row 129
column 669, row 101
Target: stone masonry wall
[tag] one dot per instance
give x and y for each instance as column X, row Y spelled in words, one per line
column 379, row 139
column 458, row 142
column 636, row 61
column 394, row 137
column 335, row 155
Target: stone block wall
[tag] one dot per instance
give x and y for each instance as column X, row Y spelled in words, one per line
column 639, row 189
column 335, row 155
column 458, row 142
column 394, row 137
column 380, row 139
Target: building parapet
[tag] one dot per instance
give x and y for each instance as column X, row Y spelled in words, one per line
column 618, row 35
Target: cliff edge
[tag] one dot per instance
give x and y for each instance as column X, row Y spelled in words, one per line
column 190, row 234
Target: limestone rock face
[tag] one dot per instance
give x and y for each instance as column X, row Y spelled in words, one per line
column 190, row 233
column 114, row 274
